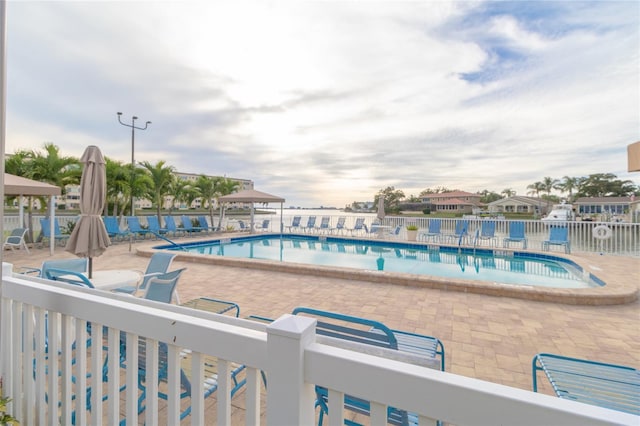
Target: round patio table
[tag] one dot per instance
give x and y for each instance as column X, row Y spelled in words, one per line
column 113, row 278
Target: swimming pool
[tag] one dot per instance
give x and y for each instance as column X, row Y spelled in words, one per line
column 484, row 265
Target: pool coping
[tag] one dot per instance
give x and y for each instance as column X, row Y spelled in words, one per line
column 616, row 291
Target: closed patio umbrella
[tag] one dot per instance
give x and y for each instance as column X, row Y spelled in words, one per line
column 381, row 208
column 89, row 237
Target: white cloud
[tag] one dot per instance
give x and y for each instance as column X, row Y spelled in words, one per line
column 328, row 102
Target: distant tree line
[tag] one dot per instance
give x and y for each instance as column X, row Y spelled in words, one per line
column 570, row 188
column 154, row 182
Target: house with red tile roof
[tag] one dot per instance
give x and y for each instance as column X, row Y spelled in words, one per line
column 453, row 202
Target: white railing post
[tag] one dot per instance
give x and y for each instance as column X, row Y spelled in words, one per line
column 291, row 400
column 6, row 348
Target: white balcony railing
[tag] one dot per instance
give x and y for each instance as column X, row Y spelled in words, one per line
column 624, row 239
column 292, row 356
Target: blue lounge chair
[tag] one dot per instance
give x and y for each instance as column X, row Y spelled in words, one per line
column 311, row 224
column 325, row 223
column 171, row 226
column 516, row 234
column 133, row 223
column 210, row 379
column 208, row 364
column 395, row 232
column 69, row 277
column 45, row 225
column 113, row 228
column 159, row 264
column 370, row 332
column 295, row 224
column 244, row 227
column 204, row 224
column 215, row 306
column 460, row 233
column 558, row 236
column 339, row 228
column 264, row 225
column 16, row 240
column 611, row 386
column 71, row 271
column 373, row 231
column 488, row 232
column 358, row 226
column 76, row 265
column 154, row 225
column 188, row 225
column 433, row 232
column 162, row 287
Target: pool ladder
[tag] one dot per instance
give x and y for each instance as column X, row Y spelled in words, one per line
column 475, row 241
column 162, row 237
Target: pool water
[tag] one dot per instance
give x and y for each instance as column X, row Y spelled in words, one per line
column 493, row 265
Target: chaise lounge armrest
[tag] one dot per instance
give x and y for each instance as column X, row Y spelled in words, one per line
column 69, row 277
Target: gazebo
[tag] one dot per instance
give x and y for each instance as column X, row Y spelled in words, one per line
column 253, row 196
column 20, row 186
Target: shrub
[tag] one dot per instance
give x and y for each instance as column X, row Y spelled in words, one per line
column 5, row 418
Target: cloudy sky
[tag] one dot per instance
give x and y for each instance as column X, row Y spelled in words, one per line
column 327, row 102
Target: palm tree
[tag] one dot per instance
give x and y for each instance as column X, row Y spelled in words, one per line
column 190, row 194
column 118, row 183
column 535, row 188
column 50, row 167
column 225, row 187
column 208, row 189
column 508, row 192
column 568, row 184
column 178, row 190
column 19, row 164
column 160, row 178
column 138, row 184
column 548, row 184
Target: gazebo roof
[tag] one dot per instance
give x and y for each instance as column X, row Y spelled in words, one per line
column 17, row 185
column 251, row 196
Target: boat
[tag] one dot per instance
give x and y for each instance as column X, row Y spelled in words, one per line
column 560, row 213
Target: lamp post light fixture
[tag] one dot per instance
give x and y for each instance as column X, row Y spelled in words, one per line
column 133, row 161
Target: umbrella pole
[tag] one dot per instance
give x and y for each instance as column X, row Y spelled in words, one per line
column 90, row 267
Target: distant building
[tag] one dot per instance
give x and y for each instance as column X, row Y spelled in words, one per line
column 520, row 204
column 198, row 202
column 362, row 206
column 453, row 202
column 605, row 208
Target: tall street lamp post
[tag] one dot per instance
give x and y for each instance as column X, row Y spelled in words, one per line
column 133, row 161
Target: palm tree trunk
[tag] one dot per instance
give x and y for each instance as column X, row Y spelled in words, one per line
column 221, row 216
column 30, row 218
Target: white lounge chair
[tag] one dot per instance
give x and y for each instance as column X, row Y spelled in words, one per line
column 16, row 239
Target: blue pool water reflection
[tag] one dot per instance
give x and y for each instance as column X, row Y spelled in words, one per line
column 491, row 265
